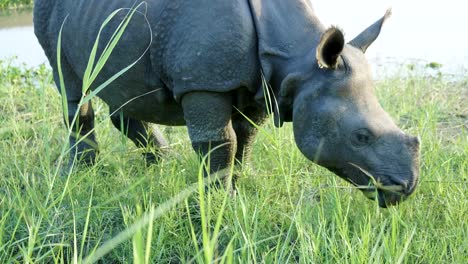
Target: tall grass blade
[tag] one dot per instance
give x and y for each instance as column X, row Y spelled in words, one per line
column 406, row 247
column 138, row 225
column 86, row 226
column 138, row 248
column 87, row 81
column 149, row 237
column 107, row 53
column 63, row 91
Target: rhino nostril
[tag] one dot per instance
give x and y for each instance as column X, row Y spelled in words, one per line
column 413, row 142
column 411, row 187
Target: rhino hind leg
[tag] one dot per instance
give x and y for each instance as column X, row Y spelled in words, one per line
column 208, row 119
column 144, row 136
column 83, row 144
column 83, row 140
column 245, row 125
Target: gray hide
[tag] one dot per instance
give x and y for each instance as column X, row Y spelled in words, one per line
column 204, row 65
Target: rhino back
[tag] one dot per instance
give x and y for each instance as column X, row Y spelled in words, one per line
column 196, row 45
column 81, row 29
column 206, row 45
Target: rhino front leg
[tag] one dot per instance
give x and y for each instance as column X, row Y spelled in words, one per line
column 142, row 134
column 208, row 119
column 245, row 125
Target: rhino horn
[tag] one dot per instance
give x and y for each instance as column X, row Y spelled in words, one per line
column 330, row 47
column 367, row 37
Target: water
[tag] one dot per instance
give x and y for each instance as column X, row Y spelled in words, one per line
column 17, row 38
column 420, row 31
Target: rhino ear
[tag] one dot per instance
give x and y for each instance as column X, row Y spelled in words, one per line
column 367, row 37
column 330, row 47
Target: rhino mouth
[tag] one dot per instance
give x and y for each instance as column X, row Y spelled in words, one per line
column 385, row 198
column 387, row 194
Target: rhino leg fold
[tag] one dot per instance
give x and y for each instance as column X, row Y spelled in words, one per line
column 144, row 135
column 208, row 119
column 245, row 125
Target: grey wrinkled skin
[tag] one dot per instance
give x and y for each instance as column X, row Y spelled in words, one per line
column 204, row 66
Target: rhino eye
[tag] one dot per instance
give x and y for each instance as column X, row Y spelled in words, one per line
column 362, row 137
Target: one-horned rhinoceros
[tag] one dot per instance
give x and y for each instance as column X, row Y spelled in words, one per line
column 203, row 66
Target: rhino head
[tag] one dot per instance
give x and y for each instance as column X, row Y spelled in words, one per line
column 339, row 124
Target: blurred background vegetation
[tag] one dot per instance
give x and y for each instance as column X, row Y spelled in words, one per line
column 13, row 4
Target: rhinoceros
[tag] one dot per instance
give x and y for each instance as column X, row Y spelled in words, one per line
column 203, row 64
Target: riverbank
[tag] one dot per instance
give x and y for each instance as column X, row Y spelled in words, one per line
column 287, row 210
column 6, row 5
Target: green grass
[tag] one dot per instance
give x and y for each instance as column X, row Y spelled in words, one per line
column 14, row 4
column 287, row 209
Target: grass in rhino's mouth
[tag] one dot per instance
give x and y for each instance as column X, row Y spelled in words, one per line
column 375, row 183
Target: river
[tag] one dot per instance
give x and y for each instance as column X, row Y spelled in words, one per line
column 17, row 38
column 420, row 31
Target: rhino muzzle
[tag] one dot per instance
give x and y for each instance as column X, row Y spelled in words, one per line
column 386, row 187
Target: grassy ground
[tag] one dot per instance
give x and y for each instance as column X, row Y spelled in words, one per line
column 13, row 4
column 287, row 209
